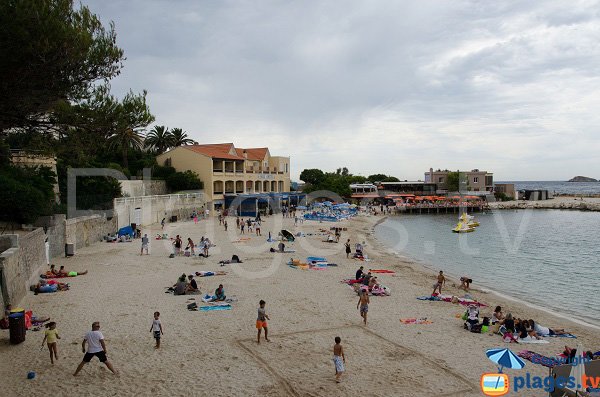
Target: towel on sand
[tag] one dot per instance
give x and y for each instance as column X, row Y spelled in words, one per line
column 536, row 358
column 561, row 336
column 415, row 321
column 211, row 308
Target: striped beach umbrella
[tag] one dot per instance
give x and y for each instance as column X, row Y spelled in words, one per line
column 505, row 358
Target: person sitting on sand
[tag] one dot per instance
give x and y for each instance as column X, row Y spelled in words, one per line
column 192, row 286
column 498, row 316
column 373, row 283
column 181, row 286
column 359, row 273
column 359, row 250
column 465, row 282
column 220, row 293
column 54, row 271
column 545, row 331
column 281, row 246
column 366, row 279
column 472, row 316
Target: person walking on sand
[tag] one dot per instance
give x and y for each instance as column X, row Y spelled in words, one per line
column 50, row 337
column 156, row 328
column 162, row 223
column 95, row 347
column 338, row 359
column 225, row 224
column 145, row 242
column 363, row 303
column 348, row 249
column 441, row 281
column 261, row 321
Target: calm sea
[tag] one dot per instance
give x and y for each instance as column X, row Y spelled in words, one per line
column 559, row 187
column 548, row 258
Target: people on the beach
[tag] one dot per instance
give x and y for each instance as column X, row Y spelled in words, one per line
column 261, row 321
column 545, row 331
column 465, row 282
column 162, row 223
column 181, row 286
column 359, row 273
column 363, row 305
column 51, row 337
column 348, row 249
column 339, row 359
column 64, row 273
column 192, row 286
column 497, row 316
column 95, row 347
column 177, row 245
column 441, row 281
column 157, row 329
column 190, row 245
column 220, row 293
column 145, row 242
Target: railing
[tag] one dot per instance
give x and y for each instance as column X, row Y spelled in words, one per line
column 124, row 200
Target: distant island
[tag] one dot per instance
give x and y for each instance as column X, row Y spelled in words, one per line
column 582, row 179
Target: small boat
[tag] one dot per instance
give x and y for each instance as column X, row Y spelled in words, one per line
column 468, row 219
column 462, row 227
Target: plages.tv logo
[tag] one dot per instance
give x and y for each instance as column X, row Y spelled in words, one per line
column 495, row 384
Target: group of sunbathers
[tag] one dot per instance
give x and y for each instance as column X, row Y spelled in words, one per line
column 512, row 329
column 366, row 282
column 53, row 273
column 190, row 286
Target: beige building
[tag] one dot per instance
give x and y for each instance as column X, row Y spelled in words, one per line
column 478, row 181
column 24, row 158
column 225, row 169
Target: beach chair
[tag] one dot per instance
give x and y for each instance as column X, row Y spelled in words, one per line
column 591, row 368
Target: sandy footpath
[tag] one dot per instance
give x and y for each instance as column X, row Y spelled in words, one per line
column 215, row 353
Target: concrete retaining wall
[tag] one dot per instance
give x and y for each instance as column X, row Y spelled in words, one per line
column 136, row 188
column 86, row 230
column 147, row 210
column 21, row 265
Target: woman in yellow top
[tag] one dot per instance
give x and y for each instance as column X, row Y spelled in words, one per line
column 50, row 337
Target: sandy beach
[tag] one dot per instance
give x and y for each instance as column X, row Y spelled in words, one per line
column 215, row 353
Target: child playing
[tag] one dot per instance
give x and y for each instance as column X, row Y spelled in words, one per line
column 261, row 321
column 50, row 337
column 441, row 280
column 338, row 358
column 157, row 329
column 363, row 302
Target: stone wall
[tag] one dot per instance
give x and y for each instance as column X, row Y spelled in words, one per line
column 152, row 209
column 54, row 226
column 21, row 265
column 86, row 230
column 137, row 188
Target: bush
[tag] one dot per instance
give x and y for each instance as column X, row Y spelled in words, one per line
column 187, row 180
column 502, row 196
column 162, row 172
column 26, row 194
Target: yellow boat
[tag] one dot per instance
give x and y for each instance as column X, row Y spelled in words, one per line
column 463, row 228
column 469, row 220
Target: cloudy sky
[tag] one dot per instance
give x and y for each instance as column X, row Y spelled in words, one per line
column 396, row 87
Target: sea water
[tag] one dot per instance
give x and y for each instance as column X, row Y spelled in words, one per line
column 559, row 187
column 548, row 258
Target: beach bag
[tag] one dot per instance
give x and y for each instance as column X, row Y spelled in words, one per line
column 192, row 306
column 235, row 259
column 464, row 316
column 172, row 256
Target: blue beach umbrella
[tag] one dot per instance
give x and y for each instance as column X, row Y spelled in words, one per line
column 505, row 358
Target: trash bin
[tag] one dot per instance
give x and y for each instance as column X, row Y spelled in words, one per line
column 173, row 218
column 69, row 249
column 16, row 327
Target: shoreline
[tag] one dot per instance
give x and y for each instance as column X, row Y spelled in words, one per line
column 429, row 269
column 556, row 203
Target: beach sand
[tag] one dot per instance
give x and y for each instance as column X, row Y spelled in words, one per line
column 215, row 353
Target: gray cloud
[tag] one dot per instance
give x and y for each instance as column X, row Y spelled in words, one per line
column 389, row 86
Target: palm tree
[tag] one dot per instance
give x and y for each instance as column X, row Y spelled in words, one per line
column 160, row 138
column 124, row 139
column 180, row 137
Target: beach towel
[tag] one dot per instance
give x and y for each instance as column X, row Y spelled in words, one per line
column 428, row 298
column 536, row 358
column 382, row 271
column 213, row 308
column 415, row 321
column 561, row 336
column 533, row 340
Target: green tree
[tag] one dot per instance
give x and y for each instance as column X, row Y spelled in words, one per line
column 51, row 53
column 27, row 193
column 376, row 177
column 180, row 138
column 453, row 181
column 312, row 176
column 160, row 139
column 131, row 117
column 187, row 180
